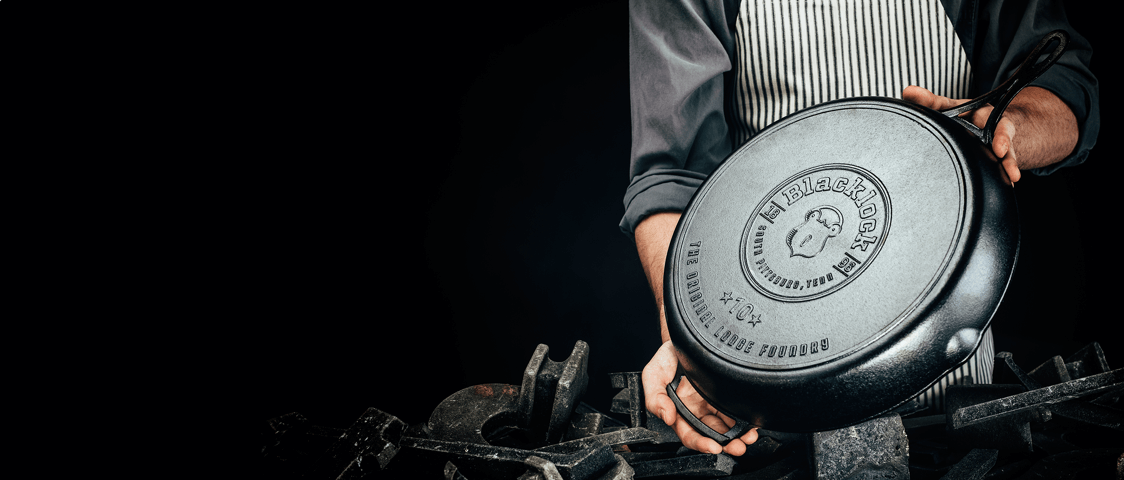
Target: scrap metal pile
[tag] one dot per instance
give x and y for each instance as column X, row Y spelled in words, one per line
column 1062, row 419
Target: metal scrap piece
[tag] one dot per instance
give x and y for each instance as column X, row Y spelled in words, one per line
column 607, row 422
column 1032, row 399
column 878, row 446
column 699, row 465
column 543, row 467
column 630, row 401
column 366, row 447
column 487, row 460
column 1090, row 413
column 612, row 439
column 1089, row 360
column 1010, row 432
column 1051, row 372
column 451, row 472
column 462, row 416
column 633, row 457
column 769, row 441
column 1007, row 359
column 584, row 425
column 793, row 466
column 550, row 390
column 621, row 471
column 763, row 447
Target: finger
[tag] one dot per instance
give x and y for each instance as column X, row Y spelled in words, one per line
column 736, row 448
column 749, row 437
column 715, row 423
column 659, row 372
column 1006, row 177
column 692, row 400
column 702, row 409
column 1006, row 130
column 1011, row 167
column 925, row 98
column 1003, row 146
column 693, row 439
column 696, row 441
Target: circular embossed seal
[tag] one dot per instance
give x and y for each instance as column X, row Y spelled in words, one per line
column 791, row 281
column 815, row 232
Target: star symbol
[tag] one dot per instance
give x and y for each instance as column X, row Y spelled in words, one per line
column 755, row 321
column 726, row 297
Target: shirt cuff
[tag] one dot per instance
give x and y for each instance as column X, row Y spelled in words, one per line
column 664, row 190
column 1082, row 101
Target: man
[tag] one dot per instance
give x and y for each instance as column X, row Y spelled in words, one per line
column 707, row 75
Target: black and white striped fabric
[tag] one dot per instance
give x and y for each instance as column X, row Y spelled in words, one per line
column 794, row 54
column 978, row 368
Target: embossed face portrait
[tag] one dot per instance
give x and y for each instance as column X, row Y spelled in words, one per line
column 820, row 224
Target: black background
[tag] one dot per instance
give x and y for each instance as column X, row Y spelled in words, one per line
column 429, row 203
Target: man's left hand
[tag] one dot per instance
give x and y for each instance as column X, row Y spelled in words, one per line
column 1037, row 129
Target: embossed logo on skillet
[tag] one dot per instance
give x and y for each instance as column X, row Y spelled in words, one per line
column 815, row 232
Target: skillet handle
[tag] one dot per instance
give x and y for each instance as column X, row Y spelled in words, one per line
column 1002, row 95
column 739, row 428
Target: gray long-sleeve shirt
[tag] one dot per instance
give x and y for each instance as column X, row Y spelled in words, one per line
column 681, row 68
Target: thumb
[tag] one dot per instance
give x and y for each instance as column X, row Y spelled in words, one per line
column 659, row 372
column 656, row 374
column 1003, row 146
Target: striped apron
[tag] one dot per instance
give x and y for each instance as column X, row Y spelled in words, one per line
column 794, row 54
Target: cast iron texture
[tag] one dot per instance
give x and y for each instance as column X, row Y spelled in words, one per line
column 874, row 449
column 824, row 336
column 843, row 260
column 1072, row 431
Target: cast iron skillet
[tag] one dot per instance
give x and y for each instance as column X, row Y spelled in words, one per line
column 843, row 260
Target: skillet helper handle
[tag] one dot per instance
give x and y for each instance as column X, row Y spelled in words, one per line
column 1002, row 95
column 739, row 428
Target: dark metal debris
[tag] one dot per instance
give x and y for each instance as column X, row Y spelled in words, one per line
column 1033, row 399
column 876, row 447
column 1060, row 420
column 701, row 465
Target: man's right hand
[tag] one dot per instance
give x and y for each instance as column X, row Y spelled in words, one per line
column 653, row 236
column 661, row 371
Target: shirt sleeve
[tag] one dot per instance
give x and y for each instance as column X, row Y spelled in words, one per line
column 1009, row 31
column 679, row 52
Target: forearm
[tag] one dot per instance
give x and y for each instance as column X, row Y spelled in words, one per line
column 1041, row 126
column 653, row 236
column 1046, row 128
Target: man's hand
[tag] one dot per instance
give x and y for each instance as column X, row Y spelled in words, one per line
column 660, row 372
column 1037, row 129
column 653, row 236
